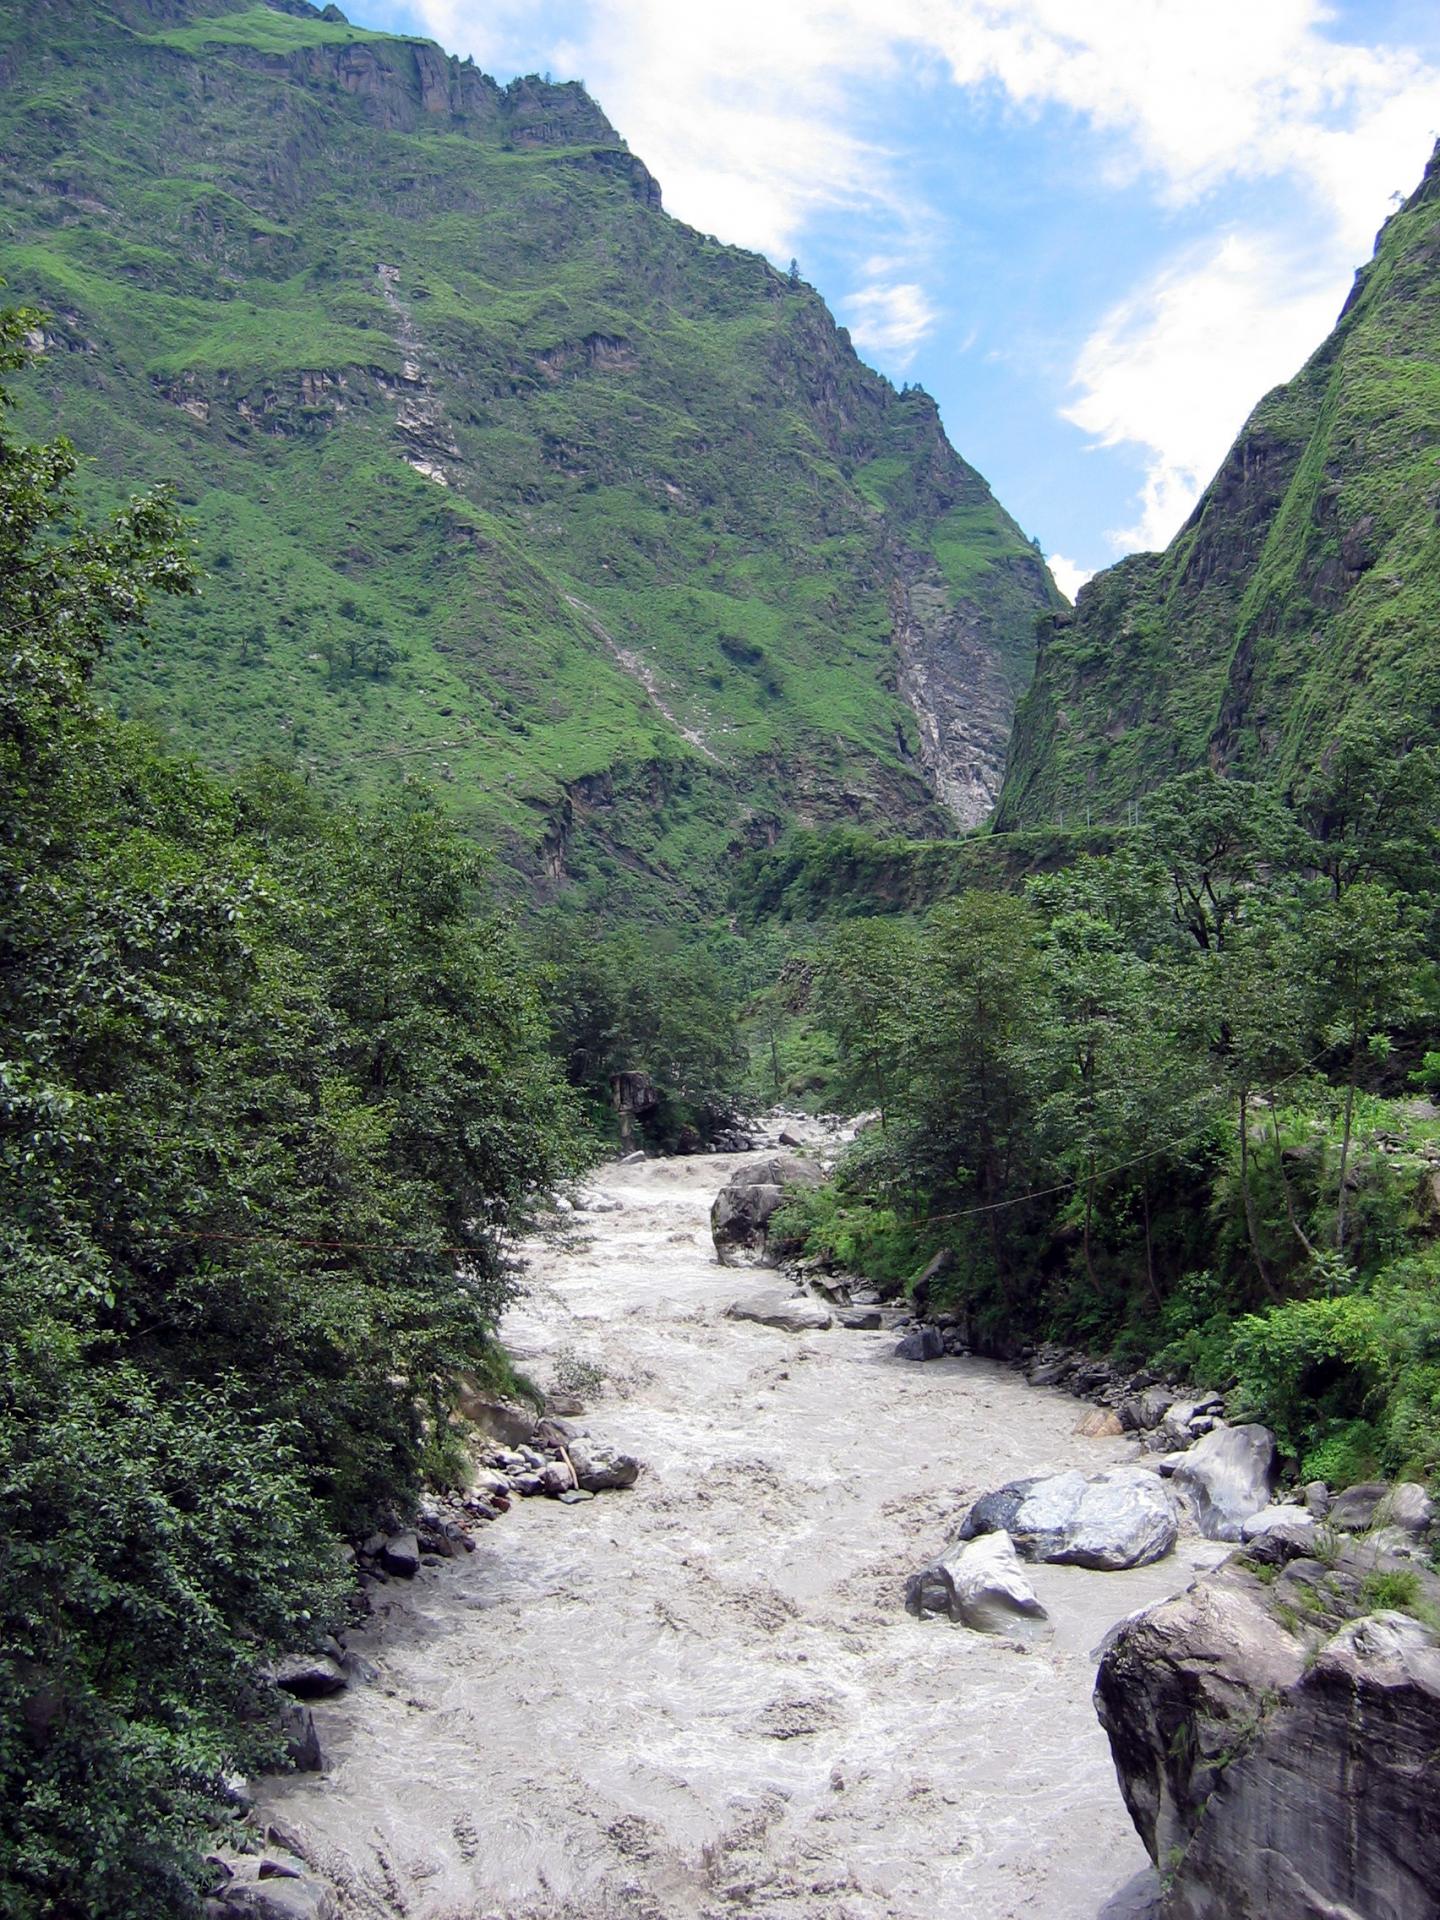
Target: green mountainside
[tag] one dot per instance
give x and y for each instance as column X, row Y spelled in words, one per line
column 1303, row 593
column 498, row 473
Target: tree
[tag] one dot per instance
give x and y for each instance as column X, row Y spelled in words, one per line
column 862, row 995
column 1213, row 838
column 1372, row 808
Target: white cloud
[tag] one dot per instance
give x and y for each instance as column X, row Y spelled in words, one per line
column 1175, row 368
column 890, row 321
column 758, row 118
column 1068, row 575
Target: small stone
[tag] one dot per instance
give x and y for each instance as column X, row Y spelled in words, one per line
column 573, row 1496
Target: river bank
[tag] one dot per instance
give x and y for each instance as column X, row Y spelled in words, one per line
column 704, row 1696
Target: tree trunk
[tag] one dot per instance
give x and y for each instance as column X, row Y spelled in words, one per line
column 1345, row 1136
column 1249, row 1198
column 1149, row 1243
column 1299, row 1231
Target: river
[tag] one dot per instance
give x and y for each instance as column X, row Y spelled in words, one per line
column 703, row 1697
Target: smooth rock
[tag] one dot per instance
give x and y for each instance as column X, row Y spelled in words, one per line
column 401, row 1555
column 503, row 1420
column 573, row 1496
column 309, row 1676
column 859, row 1319
column 979, row 1583
column 599, row 1467
column 1316, row 1496
column 302, row 1741
column 922, row 1343
column 1288, row 1531
column 556, row 1479
column 1227, row 1477
column 1101, row 1423
column 1408, row 1505
column 272, row 1899
column 790, row 1312
column 1123, row 1517
column 1358, row 1508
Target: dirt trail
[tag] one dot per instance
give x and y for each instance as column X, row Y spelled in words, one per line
column 703, row 1698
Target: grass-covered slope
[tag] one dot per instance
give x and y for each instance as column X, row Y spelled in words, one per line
column 495, row 468
column 1302, row 594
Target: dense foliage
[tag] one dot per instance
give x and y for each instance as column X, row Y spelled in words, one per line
column 1163, row 1100
column 274, row 1095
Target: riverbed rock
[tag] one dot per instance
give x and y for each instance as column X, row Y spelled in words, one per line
column 503, row 1420
column 1407, row 1505
column 921, row 1343
column 309, row 1676
column 1142, row 1411
column 400, row 1554
column 1226, row 1477
column 1100, row 1423
column 600, row 1467
column 790, row 1312
column 277, row 1897
column 980, row 1583
column 859, row 1319
column 1270, row 1780
column 302, row 1740
column 743, row 1209
column 1123, row 1517
column 1280, row 1533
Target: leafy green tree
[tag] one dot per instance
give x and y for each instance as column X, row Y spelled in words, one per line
column 1213, row 838
column 861, row 995
column 1372, row 808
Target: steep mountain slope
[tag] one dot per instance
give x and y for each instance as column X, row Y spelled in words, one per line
column 499, row 472
column 1305, row 586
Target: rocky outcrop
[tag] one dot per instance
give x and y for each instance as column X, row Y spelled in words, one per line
column 1278, row 1761
column 744, row 1208
column 1123, row 1517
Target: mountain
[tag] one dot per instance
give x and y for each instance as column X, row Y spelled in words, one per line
column 1303, row 591
column 498, row 472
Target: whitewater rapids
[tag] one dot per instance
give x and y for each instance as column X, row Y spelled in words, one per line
column 704, row 1698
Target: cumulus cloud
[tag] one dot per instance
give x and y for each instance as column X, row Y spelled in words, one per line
column 1068, row 575
column 755, row 118
column 890, row 321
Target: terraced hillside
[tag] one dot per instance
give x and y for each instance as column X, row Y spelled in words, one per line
column 1303, row 592
column 498, row 472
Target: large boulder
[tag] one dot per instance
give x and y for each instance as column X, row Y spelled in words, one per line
column 745, row 1206
column 1226, row 1477
column 1272, row 1779
column 790, row 1312
column 503, row 1420
column 599, row 1466
column 979, row 1583
column 309, row 1676
column 1123, row 1517
column 921, row 1343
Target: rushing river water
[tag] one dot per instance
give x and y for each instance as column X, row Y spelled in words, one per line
column 704, row 1698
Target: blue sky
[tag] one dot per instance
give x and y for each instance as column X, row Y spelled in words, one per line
column 1096, row 230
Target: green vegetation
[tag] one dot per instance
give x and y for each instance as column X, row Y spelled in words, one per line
column 1155, row 1101
column 274, row 1099
column 1300, row 596
column 306, row 273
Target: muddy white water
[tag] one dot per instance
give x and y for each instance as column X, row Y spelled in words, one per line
column 704, row 1698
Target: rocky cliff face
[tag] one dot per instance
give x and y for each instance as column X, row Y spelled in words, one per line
column 1303, row 591
column 1278, row 1756
column 500, row 474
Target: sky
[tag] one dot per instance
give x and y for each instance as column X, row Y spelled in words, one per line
column 1097, row 231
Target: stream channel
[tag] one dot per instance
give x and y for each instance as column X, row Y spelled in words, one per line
column 703, row 1698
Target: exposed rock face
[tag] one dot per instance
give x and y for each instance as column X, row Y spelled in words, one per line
column 600, row 1467
column 790, row 1312
column 1290, row 601
column 744, row 1207
column 1276, row 1782
column 1226, row 1477
column 1123, row 1517
column 979, row 1583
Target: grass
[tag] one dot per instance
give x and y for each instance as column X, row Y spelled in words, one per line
column 627, row 414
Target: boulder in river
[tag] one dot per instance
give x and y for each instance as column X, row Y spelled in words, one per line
column 1226, row 1477
column 276, row 1897
column 743, row 1209
column 309, row 1676
column 790, row 1312
column 401, row 1554
column 1270, row 1778
column 1123, row 1517
column 600, row 1467
column 979, row 1583
column 921, row 1343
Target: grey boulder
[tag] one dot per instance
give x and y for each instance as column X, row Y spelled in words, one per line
column 280, row 1897
column 980, row 1583
column 1227, row 1477
column 1123, row 1517
column 921, row 1343
column 599, row 1467
column 745, row 1206
column 790, row 1312
column 309, row 1676
column 401, row 1554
